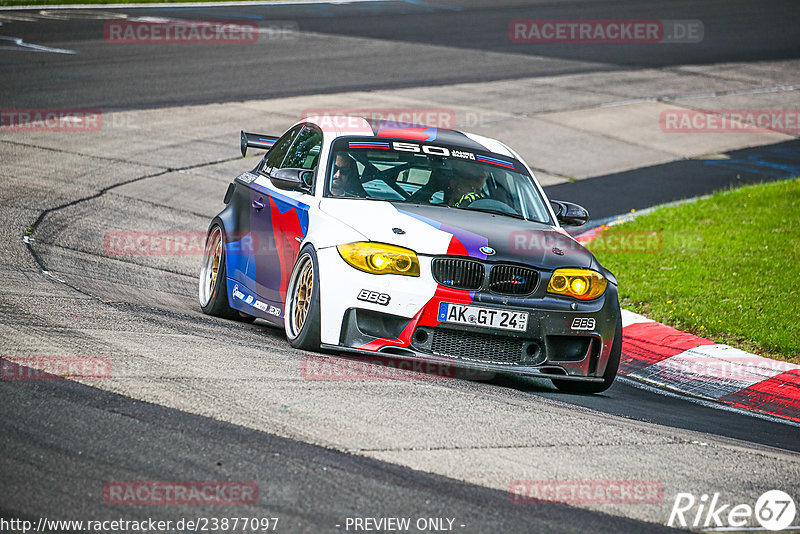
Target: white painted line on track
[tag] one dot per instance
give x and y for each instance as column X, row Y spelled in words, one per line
column 30, row 47
column 188, row 4
column 67, row 15
column 748, row 529
column 693, row 96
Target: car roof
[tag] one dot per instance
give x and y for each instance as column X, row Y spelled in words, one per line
column 350, row 126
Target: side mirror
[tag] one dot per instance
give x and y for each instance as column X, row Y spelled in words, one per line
column 570, row 214
column 292, row 179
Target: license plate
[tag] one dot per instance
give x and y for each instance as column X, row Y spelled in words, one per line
column 485, row 317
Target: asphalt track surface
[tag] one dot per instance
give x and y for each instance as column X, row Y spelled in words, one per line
column 675, row 181
column 62, row 440
column 424, row 43
column 309, row 488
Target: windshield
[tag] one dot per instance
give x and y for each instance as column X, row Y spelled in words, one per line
column 418, row 173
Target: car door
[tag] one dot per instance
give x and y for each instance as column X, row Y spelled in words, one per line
column 244, row 205
column 279, row 218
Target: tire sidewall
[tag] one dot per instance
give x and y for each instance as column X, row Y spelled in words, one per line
column 309, row 336
column 614, row 357
column 217, row 304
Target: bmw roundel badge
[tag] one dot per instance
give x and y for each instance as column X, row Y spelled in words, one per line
column 489, row 251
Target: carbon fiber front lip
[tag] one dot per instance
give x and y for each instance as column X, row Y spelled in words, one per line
column 403, row 353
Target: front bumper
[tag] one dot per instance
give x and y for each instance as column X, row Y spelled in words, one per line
column 550, row 346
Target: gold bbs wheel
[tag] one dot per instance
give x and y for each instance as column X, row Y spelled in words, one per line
column 209, row 273
column 301, row 310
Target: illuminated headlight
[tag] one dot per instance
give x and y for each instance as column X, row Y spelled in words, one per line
column 581, row 284
column 378, row 258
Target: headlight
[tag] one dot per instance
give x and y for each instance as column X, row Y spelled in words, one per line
column 582, row 284
column 378, row 258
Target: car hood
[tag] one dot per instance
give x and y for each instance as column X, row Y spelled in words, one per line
column 434, row 230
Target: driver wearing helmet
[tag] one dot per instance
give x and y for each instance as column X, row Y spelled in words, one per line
column 467, row 183
column 460, row 185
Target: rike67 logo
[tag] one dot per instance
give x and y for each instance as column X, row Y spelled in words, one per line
column 774, row 510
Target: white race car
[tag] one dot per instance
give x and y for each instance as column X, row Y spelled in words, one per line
column 412, row 242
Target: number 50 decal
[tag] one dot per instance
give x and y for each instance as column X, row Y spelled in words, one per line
column 426, row 149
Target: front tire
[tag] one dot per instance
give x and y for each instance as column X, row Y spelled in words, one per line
column 301, row 317
column 212, row 286
column 609, row 374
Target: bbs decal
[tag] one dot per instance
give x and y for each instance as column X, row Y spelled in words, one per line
column 583, row 323
column 373, row 296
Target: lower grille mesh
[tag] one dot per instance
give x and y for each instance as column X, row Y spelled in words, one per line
column 473, row 346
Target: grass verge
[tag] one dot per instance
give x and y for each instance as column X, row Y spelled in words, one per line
column 726, row 267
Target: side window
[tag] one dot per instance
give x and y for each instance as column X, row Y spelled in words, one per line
column 304, row 153
column 278, row 152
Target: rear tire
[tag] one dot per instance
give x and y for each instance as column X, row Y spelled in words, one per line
column 569, row 386
column 213, row 285
column 301, row 316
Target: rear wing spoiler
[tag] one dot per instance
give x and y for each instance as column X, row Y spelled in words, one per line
column 254, row 140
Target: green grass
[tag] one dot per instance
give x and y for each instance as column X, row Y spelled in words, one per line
column 729, row 269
